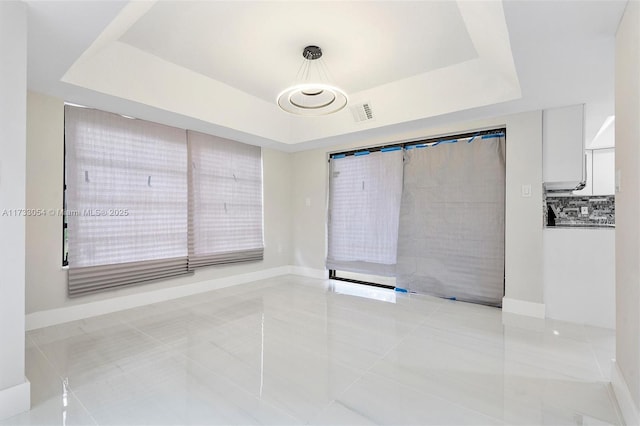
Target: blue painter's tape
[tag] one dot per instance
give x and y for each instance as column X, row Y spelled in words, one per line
column 449, row 141
column 338, row 156
column 439, row 142
column 401, row 290
column 471, row 140
column 424, row 145
column 452, row 298
column 359, row 153
column 495, row 135
column 408, row 147
column 391, row 148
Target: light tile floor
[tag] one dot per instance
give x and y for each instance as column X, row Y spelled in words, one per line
column 294, row 350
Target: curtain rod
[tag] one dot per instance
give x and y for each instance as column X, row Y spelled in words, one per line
column 399, row 145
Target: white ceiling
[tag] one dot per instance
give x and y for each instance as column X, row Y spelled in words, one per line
column 365, row 44
column 217, row 66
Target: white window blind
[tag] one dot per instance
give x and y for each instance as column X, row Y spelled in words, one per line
column 126, row 200
column 225, row 201
column 364, row 205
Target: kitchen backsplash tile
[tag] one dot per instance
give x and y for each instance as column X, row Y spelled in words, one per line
column 580, row 211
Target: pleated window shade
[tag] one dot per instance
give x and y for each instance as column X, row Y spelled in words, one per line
column 225, row 201
column 364, row 207
column 126, row 199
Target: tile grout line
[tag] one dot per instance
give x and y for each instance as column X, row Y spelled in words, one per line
column 610, row 394
column 393, row 379
column 384, row 355
column 368, row 371
column 167, row 350
column 55, row 372
column 71, row 388
column 177, row 353
column 595, row 358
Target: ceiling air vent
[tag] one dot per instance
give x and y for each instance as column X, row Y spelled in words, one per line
column 362, row 112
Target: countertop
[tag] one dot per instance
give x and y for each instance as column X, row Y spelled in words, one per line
column 589, row 227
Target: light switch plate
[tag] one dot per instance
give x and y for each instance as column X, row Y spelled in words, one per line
column 526, row 191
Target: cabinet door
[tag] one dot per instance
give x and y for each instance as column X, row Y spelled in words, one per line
column 563, row 144
column 604, row 164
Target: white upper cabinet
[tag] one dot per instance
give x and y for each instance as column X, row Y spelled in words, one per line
column 563, row 148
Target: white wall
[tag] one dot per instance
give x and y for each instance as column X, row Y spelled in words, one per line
column 295, row 194
column 14, row 389
column 523, row 215
column 45, row 154
column 626, row 377
column 46, row 281
column 579, row 275
column 309, row 204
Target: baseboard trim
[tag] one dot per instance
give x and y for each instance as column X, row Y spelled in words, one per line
column 15, row 400
column 629, row 410
column 51, row 317
column 523, row 307
column 322, row 274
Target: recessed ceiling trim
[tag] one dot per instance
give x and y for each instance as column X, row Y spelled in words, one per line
column 130, row 14
column 119, row 69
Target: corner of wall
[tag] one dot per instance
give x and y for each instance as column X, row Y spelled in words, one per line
column 523, row 307
column 523, row 221
column 65, row 314
column 321, row 274
column 628, row 409
column 46, row 280
column 15, row 400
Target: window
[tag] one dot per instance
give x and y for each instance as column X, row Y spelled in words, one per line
column 135, row 211
column 225, row 199
column 364, row 205
column 425, row 216
column 126, row 199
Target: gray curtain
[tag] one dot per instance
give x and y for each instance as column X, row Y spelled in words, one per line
column 451, row 229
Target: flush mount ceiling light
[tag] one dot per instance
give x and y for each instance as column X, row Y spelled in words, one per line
column 312, row 95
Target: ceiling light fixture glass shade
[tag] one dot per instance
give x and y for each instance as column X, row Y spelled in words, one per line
column 312, row 95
